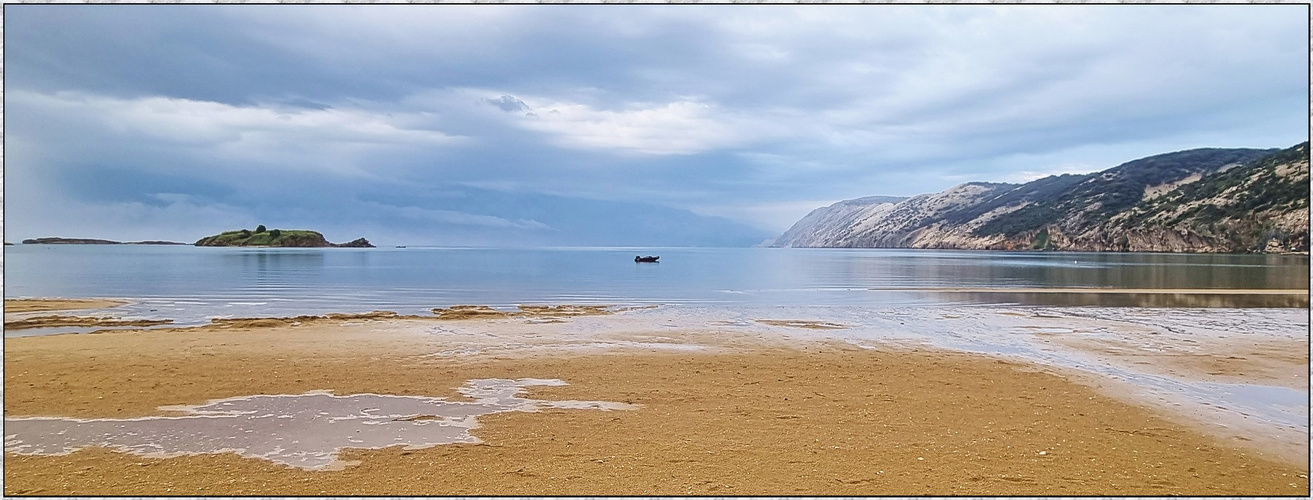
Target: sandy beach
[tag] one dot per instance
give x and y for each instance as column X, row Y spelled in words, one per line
column 783, row 408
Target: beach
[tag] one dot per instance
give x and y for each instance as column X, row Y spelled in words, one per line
column 711, row 411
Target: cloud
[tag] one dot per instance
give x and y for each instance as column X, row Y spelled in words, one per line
column 173, row 217
column 680, row 128
column 249, row 133
column 508, row 103
column 453, row 217
column 747, row 111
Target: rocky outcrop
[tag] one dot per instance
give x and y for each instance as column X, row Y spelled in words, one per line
column 1204, row 200
column 356, row 243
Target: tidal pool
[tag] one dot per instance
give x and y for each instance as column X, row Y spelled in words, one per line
column 306, row 431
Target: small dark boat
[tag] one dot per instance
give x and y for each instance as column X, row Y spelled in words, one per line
column 649, row 258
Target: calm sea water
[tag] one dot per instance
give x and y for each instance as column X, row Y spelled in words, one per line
column 198, row 282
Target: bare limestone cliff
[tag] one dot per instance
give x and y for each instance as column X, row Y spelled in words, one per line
column 1202, row 200
column 826, row 223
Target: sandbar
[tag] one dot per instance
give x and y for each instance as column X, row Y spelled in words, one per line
column 63, row 320
column 721, row 411
column 31, row 305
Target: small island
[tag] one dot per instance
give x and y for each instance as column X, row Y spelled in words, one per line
column 260, row 237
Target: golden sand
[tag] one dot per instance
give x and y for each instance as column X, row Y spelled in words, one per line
column 745, row 416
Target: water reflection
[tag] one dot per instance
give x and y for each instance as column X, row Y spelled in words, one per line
column 881, row 268
column 1131, row 299
column 266, row 260
column 297, row 281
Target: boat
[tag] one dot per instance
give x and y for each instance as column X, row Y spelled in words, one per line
column 649, row 258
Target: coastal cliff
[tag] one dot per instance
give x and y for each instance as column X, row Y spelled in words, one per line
column 276, row 238
column 1202, row 200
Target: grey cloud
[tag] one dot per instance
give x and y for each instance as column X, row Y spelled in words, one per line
column 508, row 103
column 803, row 103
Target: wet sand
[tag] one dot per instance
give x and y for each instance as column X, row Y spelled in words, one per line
column 723, row 412
column 1174, row 291
column 62, row 320
column 31, row 305
column 22, row 314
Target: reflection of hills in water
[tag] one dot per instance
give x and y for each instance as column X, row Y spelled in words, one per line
column 305, row 431
column 1112, row 298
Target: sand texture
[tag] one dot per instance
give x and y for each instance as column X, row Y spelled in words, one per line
column 62, row 320
column 716, row 413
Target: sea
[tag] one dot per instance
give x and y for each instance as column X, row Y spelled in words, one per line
column 191, row 284
column 998, row 303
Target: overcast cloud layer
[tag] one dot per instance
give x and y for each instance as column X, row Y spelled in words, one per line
column 604, row 124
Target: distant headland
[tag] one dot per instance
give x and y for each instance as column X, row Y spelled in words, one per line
column 261, row 237
column 90, row 241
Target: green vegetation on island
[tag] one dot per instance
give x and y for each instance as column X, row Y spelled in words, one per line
column 260, row 237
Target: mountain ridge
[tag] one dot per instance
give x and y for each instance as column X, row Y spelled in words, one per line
column 1199, row 200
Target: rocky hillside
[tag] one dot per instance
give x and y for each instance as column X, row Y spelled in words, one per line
column 834, row 222
column 1202, row 200
column 275, row 238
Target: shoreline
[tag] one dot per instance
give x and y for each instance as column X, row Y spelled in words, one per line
column 712, row 397
column 1173, row 291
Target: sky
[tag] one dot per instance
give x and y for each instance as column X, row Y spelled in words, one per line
column 509, row 125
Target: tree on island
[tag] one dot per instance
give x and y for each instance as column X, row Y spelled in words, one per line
column 259, row 229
